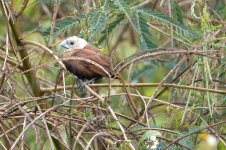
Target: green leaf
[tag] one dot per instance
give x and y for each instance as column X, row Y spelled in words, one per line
column 144, row 34
column 62, row 25
column 97, row 22
column 178, row 12
column 121, row 4
column 125, row 9
column 116, row 20
column 161, row 18
column 218, row 45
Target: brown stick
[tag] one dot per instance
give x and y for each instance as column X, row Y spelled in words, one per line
column 60, row 88
column 31, row 76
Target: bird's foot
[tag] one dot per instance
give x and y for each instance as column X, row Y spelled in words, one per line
column 78, row 82
column 88, row 81
column 81, row 84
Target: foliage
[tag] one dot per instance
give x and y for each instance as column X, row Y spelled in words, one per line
column 61, row 26
column 171, row 55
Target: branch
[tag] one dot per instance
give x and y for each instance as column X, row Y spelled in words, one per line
column 11, row 62
column 157, row 52
column 31, row 76
column 56, row 6
column 24, row 42
column 59, row 88
column 22, row 8
column 216, row 124
column 160, row 84
column 33, row 121
column 121, row 128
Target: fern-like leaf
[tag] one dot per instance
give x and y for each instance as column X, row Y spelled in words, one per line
column 116, row 20
column 62, row 25
column 121, row 4
column 125, row 9
column 218, row 45
column 161, row 18
column 144, row 34
column 97, row 22
column 178, row 12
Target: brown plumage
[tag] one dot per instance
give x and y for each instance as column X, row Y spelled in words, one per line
column 85, row 70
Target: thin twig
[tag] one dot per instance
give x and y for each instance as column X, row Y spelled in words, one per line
column 56, row 6
column 120, row 126
column 160, row 84
column 25, row 42
column 33, row 121
column 216, row 124
column 14, row 25
column 22, row 8
column 96, row 135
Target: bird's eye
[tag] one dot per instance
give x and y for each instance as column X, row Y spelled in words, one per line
column 71, row 43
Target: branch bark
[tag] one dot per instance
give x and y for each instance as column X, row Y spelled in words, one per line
column 168, row 85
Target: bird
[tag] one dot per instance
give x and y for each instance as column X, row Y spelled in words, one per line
column 86, row 62
column 76, row 53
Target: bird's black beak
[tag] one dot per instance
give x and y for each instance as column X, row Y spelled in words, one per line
column 64, row 44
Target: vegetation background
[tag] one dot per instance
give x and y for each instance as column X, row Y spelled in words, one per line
column 170, row 53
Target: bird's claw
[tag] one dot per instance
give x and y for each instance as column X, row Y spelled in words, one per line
column 81, row 84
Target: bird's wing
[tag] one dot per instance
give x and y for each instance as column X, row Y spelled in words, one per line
column 98, row 58
column 85, row 69
column 93, row 48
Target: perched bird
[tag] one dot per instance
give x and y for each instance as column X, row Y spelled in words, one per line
column 85, row 61
column 77, row 53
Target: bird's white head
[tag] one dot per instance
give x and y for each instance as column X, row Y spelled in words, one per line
column 72, row 43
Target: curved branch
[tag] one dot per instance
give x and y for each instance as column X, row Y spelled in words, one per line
column 156, row 52
column 25, row 42
column 11, row 62
column 216, row 124
column 22, row 8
